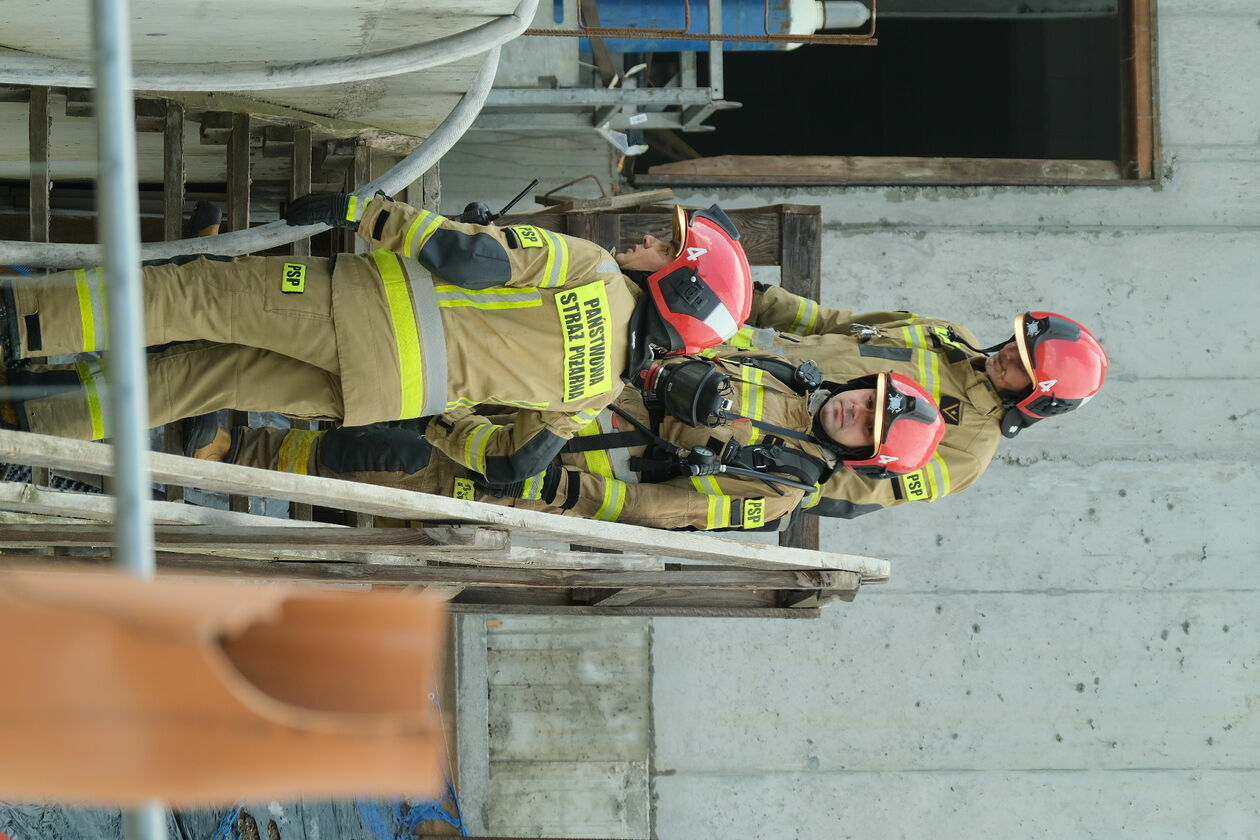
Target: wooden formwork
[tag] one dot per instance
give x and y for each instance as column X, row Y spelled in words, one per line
column 480, row 557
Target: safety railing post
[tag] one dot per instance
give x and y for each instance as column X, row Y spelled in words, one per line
column 118, row 221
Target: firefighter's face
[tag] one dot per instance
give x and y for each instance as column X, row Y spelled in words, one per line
column 848, row 418
column 1006, row 370
column 651, row 254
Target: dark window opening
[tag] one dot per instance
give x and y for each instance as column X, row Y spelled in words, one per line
column 1046, row 88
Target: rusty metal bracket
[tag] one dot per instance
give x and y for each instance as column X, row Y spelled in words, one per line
column 863, row 39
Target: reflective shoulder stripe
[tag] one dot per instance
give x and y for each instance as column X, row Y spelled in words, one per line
column 475, row 447
column 93, row 313
column 495, row 297
column 406, row 335
column 719, row 515
column 708, row 353
column 742, row 339
column 352, row 208
column 556, row 271
column 95, row 393
column 812, row 497
column 929, row 363
column 586, row 417
column 432, row 335
column 614, row 501
column 461, row 403
column 421, row 229
column 294, row 455
column 806, row 317
column 536, row 406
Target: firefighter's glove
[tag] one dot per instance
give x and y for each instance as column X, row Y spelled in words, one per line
column 542, row 486
column 336, row 209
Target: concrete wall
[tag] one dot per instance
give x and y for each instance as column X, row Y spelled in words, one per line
column 1070, row 648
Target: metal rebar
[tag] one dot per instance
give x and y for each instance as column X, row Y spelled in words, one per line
column 118, row 220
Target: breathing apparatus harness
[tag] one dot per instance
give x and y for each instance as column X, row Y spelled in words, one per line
column 695, row 392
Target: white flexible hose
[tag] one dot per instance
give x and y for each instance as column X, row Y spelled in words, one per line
column 274, row 234
column 20, row 68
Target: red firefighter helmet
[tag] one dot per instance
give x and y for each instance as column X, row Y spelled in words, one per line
column 704, row 295
column 1066, row 363
column 908, row 427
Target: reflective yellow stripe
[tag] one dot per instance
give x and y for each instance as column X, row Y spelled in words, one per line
column 806, row 317
column 412, row 244
column 597, row 460
column 475, row 446
column 938, row 476
column 531, row 488
column 812, row 498
column 88, row 376
column 710, row 353
column 93, row 315
column 719, row 515
column 556, row 271
column 742, row 339
column 295, row 451
column 402, row 318
column 351, row 206
column 495, row 297
column 614, row 501
column 752, row 399
column 928, row 362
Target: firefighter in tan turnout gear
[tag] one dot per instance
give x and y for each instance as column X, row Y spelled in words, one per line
column 439, row 317
column 708, row 444
column 983, row 393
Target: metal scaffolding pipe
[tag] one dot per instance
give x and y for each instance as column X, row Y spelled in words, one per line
column 66, row 255
column 19, row 68
column 128, row 384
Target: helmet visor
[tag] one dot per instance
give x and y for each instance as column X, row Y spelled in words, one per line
column 1021, row 341
column 879, row 428
column 680, row 230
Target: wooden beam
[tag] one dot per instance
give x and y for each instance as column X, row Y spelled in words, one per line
column 50, row 451
column 825, row 170
column 173, row 173
column 39, row 129
column 800, row 272
column 1141, row 68
column 238, row 219
column 691, row 578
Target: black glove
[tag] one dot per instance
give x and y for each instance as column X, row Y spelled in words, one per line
column 323, row 208
column 516, row 490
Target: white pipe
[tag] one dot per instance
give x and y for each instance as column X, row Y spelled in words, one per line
column 19, row 68
column 274, row 234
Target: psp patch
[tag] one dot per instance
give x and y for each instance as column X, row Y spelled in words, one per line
column 527, row 236
column 293, row 282
column 754, row 513
column 915, row 486
column 951, row 410
column 464, row 489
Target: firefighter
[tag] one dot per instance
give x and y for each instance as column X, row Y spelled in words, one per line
column 1050, row 366
column 440, row 316
column 706, row 444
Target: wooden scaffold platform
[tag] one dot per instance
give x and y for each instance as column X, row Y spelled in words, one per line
column 479, row 557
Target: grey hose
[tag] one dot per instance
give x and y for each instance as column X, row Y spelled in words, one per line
column 19, row 68
column 274, row 234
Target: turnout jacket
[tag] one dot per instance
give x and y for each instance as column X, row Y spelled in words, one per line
column 932, row 351
column 524, row 317
column 604, row 483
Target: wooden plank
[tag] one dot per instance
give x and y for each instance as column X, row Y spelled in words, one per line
column 619, row 202
column 828, row 170
column 465, row 608
column 45, row 450
column 1141, row 73
column 691, row 578
column 29, row 499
